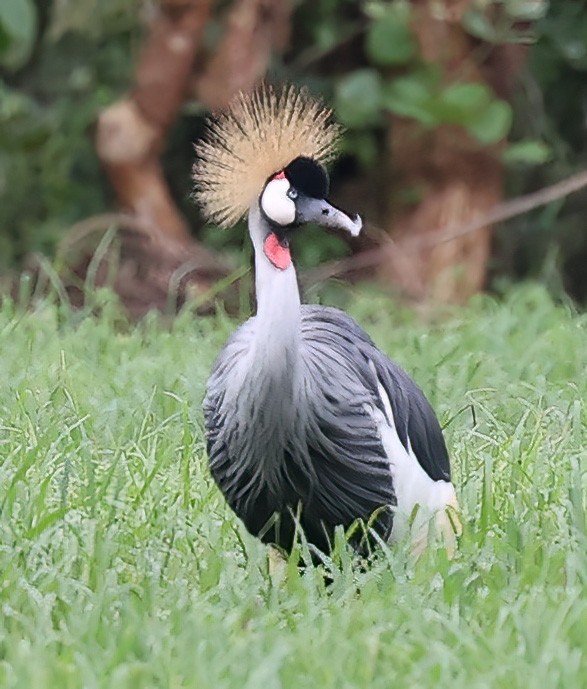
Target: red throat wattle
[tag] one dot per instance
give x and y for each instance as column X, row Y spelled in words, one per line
column 277, row 254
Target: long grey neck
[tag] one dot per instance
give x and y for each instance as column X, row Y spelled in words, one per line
column 277, row 329
column 267, row 394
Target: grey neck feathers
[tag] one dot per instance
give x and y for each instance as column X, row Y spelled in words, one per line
column 268, row 390
column 277, row 324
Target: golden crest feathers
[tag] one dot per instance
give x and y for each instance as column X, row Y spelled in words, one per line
column 258, row 135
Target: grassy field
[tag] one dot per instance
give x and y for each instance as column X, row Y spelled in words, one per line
column 120, row 565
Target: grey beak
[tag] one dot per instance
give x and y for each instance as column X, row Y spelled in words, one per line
column 327, row 215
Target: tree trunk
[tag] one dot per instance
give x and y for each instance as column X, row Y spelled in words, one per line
column 254, row 30
column 158, row 261
column 131, row 133
column 456, row 177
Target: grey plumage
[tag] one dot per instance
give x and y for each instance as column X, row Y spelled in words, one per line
column 320, row 459
column 307, row 422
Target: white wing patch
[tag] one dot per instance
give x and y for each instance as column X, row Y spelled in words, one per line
column 420, row 499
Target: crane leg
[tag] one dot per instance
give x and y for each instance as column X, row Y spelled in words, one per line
column 277, row 565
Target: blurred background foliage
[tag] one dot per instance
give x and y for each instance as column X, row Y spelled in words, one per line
column 62, row 61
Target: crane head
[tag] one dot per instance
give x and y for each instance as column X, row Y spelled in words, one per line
column 297, row 195
column 268, row 148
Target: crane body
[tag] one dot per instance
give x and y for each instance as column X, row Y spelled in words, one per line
column 309, row 425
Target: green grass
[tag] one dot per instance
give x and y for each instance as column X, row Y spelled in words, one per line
column 120, row 565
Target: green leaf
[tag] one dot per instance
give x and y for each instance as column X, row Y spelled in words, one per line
column 477, row 23
column 4, row 41
column 413, row 96
column 358, row 98
column 18, row 18
column 491, row 124
column 18, row 24
column 528, row 152
column 527, row 10
column 390, row 41
column 460, row 103
column 466, row 96
column 362, row 145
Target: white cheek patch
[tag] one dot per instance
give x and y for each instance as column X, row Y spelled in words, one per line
column 276, row 204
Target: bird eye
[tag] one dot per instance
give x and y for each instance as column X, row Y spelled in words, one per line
column 292, row 193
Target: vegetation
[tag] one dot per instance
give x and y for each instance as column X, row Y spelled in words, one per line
column 63, row 61
column 122, row 566
column 120, row 563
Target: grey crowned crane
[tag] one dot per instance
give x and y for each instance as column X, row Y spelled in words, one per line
column 308, row 424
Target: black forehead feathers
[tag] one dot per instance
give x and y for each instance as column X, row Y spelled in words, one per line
column 308, row 177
